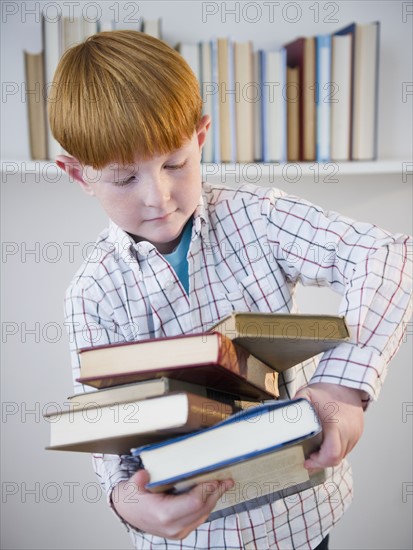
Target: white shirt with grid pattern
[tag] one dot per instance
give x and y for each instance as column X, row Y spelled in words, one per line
column 249, row 248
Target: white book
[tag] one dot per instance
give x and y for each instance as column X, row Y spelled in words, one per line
column 275, row 106
column 88, row 28
column 72, row 34
column 106, row 25
column 365, row 92
column 341, row 96
column 257, row 79
column 323, row 82
column 216, row 137
column 52, row 49
column 207, row 90
column 265, row 445
column 152, row 27
column 244, row 106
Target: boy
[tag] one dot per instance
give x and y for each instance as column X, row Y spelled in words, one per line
column 179, row 255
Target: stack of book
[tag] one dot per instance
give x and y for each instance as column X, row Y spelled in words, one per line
column 204, row 406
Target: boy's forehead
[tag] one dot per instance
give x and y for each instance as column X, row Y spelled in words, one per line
column 119, row 166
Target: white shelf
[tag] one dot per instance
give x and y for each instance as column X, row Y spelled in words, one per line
column 243, row 172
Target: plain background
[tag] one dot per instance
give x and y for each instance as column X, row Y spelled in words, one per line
column 52, row 499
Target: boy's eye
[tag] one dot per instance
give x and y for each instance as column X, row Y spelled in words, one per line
column 123, row 183
column 175, row 166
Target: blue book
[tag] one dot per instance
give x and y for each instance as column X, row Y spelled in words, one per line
column 323, row 97
column 215, row 104
column 264, row 446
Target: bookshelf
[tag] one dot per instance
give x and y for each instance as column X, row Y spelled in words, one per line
column 254, row 21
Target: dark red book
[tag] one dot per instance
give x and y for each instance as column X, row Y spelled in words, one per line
column 208, row 359
column 301, row 54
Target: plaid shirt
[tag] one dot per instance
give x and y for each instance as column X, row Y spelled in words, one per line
column 249, row 248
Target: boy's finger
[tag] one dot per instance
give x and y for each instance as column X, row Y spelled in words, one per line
column 140, row 479
column 330, row 453
column 199, row 501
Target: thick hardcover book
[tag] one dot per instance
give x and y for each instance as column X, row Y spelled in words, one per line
column 115, row 428
column 342, row 73
column 152, row 388
column 301, row 55
column 365, row 91
column 323, row 97
column 282, row 340
column 36, row 104
column 275, row 105
column 208, row 359
column 264, row 447
column 244, row 107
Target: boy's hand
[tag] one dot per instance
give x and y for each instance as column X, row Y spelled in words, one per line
column 169, row 516
column 342, row 417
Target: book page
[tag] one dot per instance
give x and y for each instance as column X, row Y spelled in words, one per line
column 257, row 477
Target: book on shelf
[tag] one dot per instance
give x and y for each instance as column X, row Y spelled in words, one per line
column 227, row 100
column 263, row 447
column 301, row 55
column 208, row 359
column 282, row 340
column 153, row 27
column 293, row 114
column 207, row 91
column 116, row 427
column 341, row 106
column 52, row 33
column 244, row 107
column 258, row 119
column 274, row 79
column 325, row 104
column 323, row 97
column 72, row 32
column 365, row 91
column 36, row 104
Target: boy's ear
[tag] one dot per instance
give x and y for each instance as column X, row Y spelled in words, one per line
column 75, row 170
column 202, row 130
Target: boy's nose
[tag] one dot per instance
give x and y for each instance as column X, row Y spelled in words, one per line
column 157, row 194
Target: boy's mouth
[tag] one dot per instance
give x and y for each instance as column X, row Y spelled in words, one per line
column 163, row 217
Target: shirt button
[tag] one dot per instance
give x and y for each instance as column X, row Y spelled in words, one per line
column 169, row 284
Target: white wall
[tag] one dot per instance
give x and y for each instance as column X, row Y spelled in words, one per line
column 56, row 221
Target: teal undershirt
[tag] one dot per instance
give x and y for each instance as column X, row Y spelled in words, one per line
column 177, row 258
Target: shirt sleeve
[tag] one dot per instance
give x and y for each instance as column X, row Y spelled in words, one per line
column 368, row 266
column 89, row 323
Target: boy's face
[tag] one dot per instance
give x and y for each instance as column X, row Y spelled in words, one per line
column 150, row 199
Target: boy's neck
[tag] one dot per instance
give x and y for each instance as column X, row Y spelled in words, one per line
column 164, row 248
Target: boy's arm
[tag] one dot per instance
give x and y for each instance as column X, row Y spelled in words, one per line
column 369, row 267
column 373, row 271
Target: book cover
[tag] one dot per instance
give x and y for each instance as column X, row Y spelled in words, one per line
column 275, row 106
column 266, row 445
column 323, row 99
column 282, row 340
column 342, row 69
column 152, row 388
column 226, row 99
column 244, row 107
column 301, row 55
column 365, row 92
column 207, row 91
column 116, row 427
column 36, row 104
column 209, row 359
